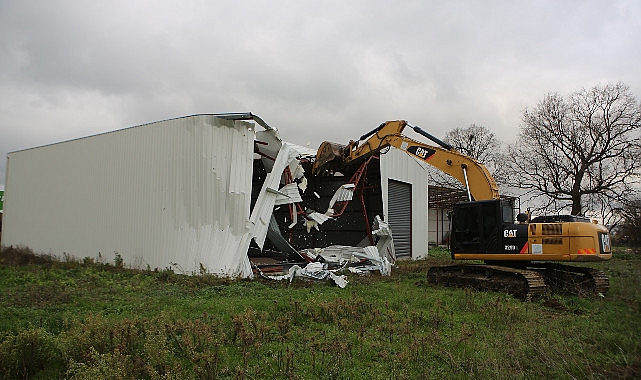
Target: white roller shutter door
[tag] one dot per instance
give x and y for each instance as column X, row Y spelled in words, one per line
column 400, row 216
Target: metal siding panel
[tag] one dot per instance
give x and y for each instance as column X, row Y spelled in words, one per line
column 173, row 193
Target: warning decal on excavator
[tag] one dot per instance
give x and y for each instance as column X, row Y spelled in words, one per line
column 421, row 152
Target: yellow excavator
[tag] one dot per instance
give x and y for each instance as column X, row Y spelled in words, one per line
column 520, row 256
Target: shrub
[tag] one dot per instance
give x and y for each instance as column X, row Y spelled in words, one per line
column 20, row 256
column 28, row 352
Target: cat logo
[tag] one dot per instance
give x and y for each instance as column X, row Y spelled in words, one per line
column 509, row 233
column 421, row 152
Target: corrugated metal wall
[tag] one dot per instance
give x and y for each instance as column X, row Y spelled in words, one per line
column 174, row 194
column 398, row 165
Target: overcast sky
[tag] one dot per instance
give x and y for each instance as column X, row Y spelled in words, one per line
column 316, row 70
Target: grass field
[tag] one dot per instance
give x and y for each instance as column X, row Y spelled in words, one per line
column 79, row 319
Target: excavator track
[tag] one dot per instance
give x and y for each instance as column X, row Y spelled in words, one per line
column 524, row 284
column 582, row 281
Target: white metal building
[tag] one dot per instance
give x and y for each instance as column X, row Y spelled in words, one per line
column 404, row 189
column 176, row 194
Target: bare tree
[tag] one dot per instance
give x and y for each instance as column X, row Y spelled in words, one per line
column 475, row 141
column 629, row 230
column 579, row 150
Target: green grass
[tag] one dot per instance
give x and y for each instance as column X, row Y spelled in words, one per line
column 64, row 319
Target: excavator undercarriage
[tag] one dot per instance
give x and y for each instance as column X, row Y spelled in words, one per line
column 523, row 282
column 583, row 281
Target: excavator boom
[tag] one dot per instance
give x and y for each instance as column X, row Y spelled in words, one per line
column 473, row 175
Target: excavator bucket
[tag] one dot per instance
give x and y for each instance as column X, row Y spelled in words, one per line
column 330, row 156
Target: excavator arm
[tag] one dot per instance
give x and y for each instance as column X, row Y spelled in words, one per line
column 472, row 174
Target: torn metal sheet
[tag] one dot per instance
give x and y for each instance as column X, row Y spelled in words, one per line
column 274, row 235
column 298, row 172
column 268, row 144
column 318, row 217
column 344, row 194
column 264, row 206
column 385, row 243
column 288, row 194
column 310, row 223
column 302, row 184
column 314, row 271
column 315, row 219
column 246, row 116
column 361, row 259
column 294, row 221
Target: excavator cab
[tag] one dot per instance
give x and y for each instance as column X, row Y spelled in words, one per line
column 486, row 227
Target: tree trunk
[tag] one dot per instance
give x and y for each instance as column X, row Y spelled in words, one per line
column 576, row 205
column 576, row 193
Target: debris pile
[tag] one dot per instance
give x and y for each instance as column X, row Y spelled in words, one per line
column 327, row 263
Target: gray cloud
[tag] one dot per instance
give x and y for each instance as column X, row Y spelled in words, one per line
column 317, row 70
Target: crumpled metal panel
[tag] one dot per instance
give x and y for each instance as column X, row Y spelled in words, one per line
column 274, row 235
column 264, row 206
column 343, row 194
column 288, row 194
